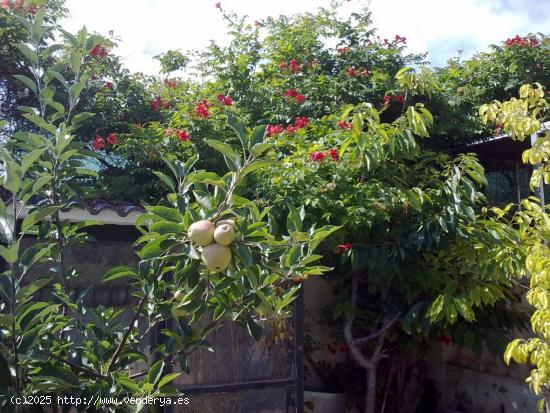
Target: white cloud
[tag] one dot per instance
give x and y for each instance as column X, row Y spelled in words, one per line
column 148, row 27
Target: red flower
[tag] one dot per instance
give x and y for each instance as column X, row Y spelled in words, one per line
column 343, row 248
column 290, row 93
column 107, row 85
column 300, row 98
column 168, row 131
column 301, row 121
column 182, row 135
column 400, row 39
column 333, row 153
column 350, row 71
column 99, row 51
column 218, row 5
column 316, row 156
column 225, row 100
column 400, row 98
column 282, row 65
column 201, row 110
column 521, row 41
column 157, row 103
column 171, row 83
column 342, row 49
column 294, row 94
column 364, row 73
column 273, row 130
column 386, row 100
column 344, row 125
column 6, row 4
column 294, row 66
column 32, row 9
column 445, row 339
column 98, row 143
column 112, row 139
column 292, row 128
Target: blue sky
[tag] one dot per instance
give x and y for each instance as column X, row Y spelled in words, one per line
column 440, row 27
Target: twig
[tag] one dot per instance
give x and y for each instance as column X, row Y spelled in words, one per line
column 126, row 335
column 78, row 367
column 386, row 325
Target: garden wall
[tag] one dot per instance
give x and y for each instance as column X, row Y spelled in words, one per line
column 478, row 384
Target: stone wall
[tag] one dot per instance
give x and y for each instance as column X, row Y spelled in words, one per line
column 478, row 384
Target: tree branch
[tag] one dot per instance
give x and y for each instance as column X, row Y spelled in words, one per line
column 385, row 326
column 78, row 367
column 126, row 335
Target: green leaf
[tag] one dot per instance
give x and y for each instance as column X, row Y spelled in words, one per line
column 27, row 82
column 6, row 228
column 320, row 234
column 204, row 177
column 12, row 174
column 33, row 254
column 129, row 384
column 164, row 227
column 464, row 309
column 41, row 123
column 156, row 248
column 74, row 61
column 86, row 172
column 169, row 182
column 167, row 379
column 37, row 216
column 59, row 108
column 47, row 93
column 257, row 136
column 254, row 166
column 76, row 89
column 260, row 148
column 254, row 329
column 155, row 372
column 239, row 127
column 170, row 214
column 28, row 290
column 223, row 148
column 81, row 117
column 436, row 309
column 357, row 127
column 37, row 28
column 245, row 253
column 119, row 272
column 28, row 53
column 10, row 254
column 30, row 159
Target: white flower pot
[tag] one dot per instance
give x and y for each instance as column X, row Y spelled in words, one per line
column 326, row 402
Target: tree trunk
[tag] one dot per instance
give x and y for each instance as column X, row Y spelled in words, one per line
column 370, row 397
